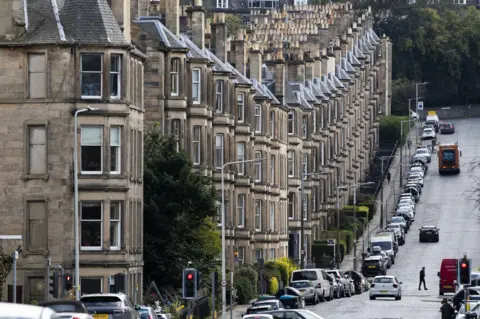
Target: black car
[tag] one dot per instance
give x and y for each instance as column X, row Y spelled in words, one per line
column 359, row 281
column 373, row 266
column 429, row 233
column 447, row 128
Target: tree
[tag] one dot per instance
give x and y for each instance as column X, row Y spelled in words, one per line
column 6, row 263
column 178, row 213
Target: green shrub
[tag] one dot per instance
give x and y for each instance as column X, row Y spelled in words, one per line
column 245, row 290
column 249, row 273
column 348, row 239
column 320, row 248
column 273, row 287
column 389, row 129
column 361, row 211
column 286, row 267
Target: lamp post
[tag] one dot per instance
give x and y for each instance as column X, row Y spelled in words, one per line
column 381, row 190
column 401, row 149
column 303, row 251
column 75, row 182
column 355, row 219
column 224, row 262
column 416, row 105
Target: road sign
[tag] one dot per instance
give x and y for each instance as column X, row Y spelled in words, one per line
column 420, row 105
column 11, row 237
column 224, row 283
column 331, row 242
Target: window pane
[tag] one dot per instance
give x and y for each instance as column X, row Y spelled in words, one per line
column 114, row 136
column 92, row 136
column 36, row 83
column 196, row 75
column 92, row 62
column 115, row 63
column 114, row 84
column 91, row 84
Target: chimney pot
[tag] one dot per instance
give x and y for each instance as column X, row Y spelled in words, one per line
column 349, row 31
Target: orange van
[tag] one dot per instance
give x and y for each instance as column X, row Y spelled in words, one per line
column 448, row 276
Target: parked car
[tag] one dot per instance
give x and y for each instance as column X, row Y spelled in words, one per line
column 275, row 303
column 318, row 277
column 307, row 287
column 109, row 303
column 386, row 286
column 12, row 310
column 258, row 309
column 428, row 134
column 146, row 313
column 425, row 153
column 344, row 282
column 361, row 283
column 295, row 314
column 71, row 308
column 291, row 298
column 258, row 316
column 337, row 291
column 373, row 266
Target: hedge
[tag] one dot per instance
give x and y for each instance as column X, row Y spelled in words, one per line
column 319, row 248
column 349, row 224
column 246, row 284
column 389, row 129
column 361, row 211
column 286, row 266
column 273, row 287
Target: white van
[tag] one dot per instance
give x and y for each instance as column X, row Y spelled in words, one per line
column 386, row 242
column 434, row 121
column 319, row 277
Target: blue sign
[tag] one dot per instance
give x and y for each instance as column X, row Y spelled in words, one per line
column 420, row 105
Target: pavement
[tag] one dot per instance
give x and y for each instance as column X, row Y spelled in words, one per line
column 446, row 203
column 390, row 192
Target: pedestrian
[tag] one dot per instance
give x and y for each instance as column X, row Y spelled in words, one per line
column 388, row 176
column 447, row 310
column 409, row 143
column 422, row 279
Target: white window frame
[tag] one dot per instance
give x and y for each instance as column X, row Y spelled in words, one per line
column 101, row 150
column 272, row 254
column 198, row 85
column 118, row 149
column 291, row 203
column 241, row 200
column 258, row 118
column 174, row 76
column 272, row 169
column 305, row 207
column 118, row 62
column 258, row 215
column 304, row 126
column 95, row 72
column 305, row 165
column 219, row 151
column 291, row 123
column 322, row 157
column 314, row 118
column 241, row 107
column 219, row 96
column 222, row 4
column 197, row 145
column 258, row 167
column 92, row 220
column 271, row 222
column 119, row 225
column 272, row 124
column 314, row 198
column 241, row 148
column 314, row 159
column 291, row 163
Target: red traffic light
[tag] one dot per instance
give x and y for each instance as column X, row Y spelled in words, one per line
column 464, row 265
column 190, row 276
column 68, row 278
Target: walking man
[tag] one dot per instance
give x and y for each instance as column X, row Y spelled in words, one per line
column 422, row 279
column 388, row 177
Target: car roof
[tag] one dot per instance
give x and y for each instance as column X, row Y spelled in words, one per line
column 427, row 227
column 374, row 257
column 24, row 311
column 384, row 276
column 303, row 280
column 120, row 296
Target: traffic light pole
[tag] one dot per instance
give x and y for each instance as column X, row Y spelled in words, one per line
column 14, row 288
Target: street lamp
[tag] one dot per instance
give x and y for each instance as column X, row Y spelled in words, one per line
column 416, row 105
column 354, row 218
column 303, row 252
column 75, row 182
column 381, row 190
column 224, row 262
column 401, row 149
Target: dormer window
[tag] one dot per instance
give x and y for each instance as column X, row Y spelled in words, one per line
column 174, row 72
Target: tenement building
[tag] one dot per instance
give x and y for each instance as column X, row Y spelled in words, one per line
column 299, row 91
column 61, row 58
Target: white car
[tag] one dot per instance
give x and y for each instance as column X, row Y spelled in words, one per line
column 408, row 211
column 415, row 179
column 386, row 286
column 12, row 310
column 413, row 115
column 425, row 153
column 417, row 170
column 258, row 316
column 428, row 133
column 68, row 309
column 474, row 307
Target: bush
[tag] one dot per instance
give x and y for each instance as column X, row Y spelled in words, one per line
column 249, row 273
column 361, row 211
column 286, row 267
column 348, row 239
column 273, row 287
column 389, row 129
column 321, row 248
column 245, row 290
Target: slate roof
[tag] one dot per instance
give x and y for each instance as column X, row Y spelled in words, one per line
column 71, row 21
column 159, row 32
column 218, row 66
column 194, row 52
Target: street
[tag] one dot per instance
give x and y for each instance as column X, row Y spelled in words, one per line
column 444, row 203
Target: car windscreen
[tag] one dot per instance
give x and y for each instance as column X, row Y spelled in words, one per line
column 304, row 275
column 448, row 155
column 260, row 317
column 394, row 226
column 273, row 304
column 383, row 280
column 259, row 309
column 371, row 262
column 102, row 301
column 145, row 314
column 59, row 308
column 300, row 284
column 384, row 245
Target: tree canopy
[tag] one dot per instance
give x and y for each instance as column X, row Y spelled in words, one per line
column 439, row 44
column 178, row 211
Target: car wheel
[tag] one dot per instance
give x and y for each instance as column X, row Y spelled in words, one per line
column 399, row 297
column 372, row 297
column 441, row 293
column 438, row 239
column 393, row 261
column 316, row 300
column 331, row 295
column 322, row 298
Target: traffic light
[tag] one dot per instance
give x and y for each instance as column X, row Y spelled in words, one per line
column 54, row 284
column 464, row 271
column 67, row 282
column 189, row 283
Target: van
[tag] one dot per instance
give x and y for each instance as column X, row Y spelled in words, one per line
column 448, row 275
column 433, row 120
column 320, row 279
column 386, row 242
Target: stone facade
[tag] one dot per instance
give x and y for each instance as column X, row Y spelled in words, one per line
column 52, row 66
column 300, row 90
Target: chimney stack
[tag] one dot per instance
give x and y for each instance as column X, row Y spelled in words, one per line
column 196, row 15
column 324, row 62
column 279, row 74
column 309, row 66
column 317, row 67
column 296, row 68
column 355, row 33
column 337, row 50
column 12, row 23
column 220, row 36
column 349, row 39
column 255, row 57
column 172, row 16
column 240, row 52
column 344, row 45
